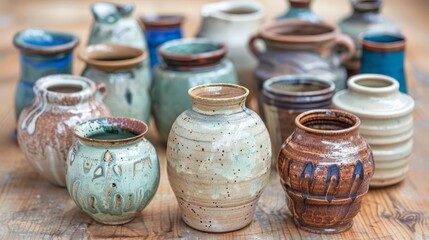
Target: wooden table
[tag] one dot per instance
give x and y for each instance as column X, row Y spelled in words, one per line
column 30, row 207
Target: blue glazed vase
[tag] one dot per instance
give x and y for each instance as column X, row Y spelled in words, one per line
column 42, row 53
column 384, row 53
column 300, row 9
column 158, row 30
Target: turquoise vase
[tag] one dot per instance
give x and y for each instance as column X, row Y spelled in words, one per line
column 300, row 9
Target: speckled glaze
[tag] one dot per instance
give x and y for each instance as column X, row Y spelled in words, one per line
column 218, row 159
column 42, row 53
column 237, row 21
column 285, row 97
column 45, row 127
column 325, row 167
column 128, row 81
column 387, row 123
column 114, row 177
column 186, row 63
column 300, row 9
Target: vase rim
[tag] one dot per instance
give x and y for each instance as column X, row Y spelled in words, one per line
column 85, row 130
column 329, row 115
column 373, row 84
column 367, row 5
column 236, row 10
column 299, row 3
column 382, row 41
column 43, row 42
column 218, row 94
column 326, row 86
column 162, row 21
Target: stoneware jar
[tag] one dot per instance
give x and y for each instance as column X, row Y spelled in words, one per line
column 218, row 159
column 45, row 127
column 42, row 53
column 236, row 21
column 384, row 53
column 160, row 29
column 285, row 97
column 387, row 123
column 298, row 47
column 325, row 167
column 300, row 9
column 128, row 81
column 186, row 63
column 112, row 170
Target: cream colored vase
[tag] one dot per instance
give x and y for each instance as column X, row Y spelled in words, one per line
column 387, row 123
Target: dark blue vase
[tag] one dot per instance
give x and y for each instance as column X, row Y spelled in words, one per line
column 42, row 53
column 383, row 53
column 158, row 30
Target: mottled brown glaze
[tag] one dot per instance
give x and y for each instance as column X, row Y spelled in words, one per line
column 325, row 167
column 45, row 127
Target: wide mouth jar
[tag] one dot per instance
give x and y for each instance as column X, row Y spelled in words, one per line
column 382, row 42
column 327, row 122
column 111, row 131
column 38, row 41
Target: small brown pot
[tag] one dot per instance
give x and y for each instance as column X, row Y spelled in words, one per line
column 325, row 167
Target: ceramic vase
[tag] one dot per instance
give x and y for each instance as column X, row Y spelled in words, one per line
column 128, row 82
column 366, row 17
column 42, row 53
column 300, row 9
column 218, row 159
column 387, row 123
column 158, row 30
column 299, row 47
column 186, row 63
column 45, row 127
column 285, row 97
column 112, row 170
column 384, row 53
column 236, row 21
column 325, row 167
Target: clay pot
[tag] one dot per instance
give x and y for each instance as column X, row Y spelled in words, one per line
column 186, row 63
column 218, row 159
column 387, row 123
column 325, row 167
column 45, row 127
column 300, row 9
column 128, row 81
column 112, row 170
column 285, row 97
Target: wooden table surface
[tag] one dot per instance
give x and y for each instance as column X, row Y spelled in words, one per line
column 30, row 207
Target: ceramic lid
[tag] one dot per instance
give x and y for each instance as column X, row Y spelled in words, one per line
column 373, row 96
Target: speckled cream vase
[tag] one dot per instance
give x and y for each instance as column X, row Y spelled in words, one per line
column 218, row 159
column 45, row 127
column 112, row 170
column 387, row 123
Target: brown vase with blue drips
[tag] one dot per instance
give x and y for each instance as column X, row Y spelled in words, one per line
column 325, row 167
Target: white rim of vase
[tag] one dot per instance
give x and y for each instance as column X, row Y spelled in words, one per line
column 218, row 10
column 391, row 84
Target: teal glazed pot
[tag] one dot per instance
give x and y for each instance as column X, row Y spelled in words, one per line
column 186, row 63
column 300, row 9
column 112, row 171
column 128, row 81
column 42, row 53
column 218, row 159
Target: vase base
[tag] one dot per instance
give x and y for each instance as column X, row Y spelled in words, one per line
column 333, row 229
column 114, row 222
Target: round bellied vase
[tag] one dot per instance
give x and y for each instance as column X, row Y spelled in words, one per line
column 45, row 127
column 325, row 167
column 387, row 123
column 300, row 9
column 218, row 159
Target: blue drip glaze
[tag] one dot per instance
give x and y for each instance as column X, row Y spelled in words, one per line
column 333, row 170
column 308, row 170
column 358, row 170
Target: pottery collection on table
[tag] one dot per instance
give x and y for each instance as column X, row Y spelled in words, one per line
column 329, row 144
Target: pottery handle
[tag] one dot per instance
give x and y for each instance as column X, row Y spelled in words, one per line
column 348, row 44
column 101, row 93
column 252, row 46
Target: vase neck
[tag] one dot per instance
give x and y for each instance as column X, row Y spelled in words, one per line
column 300, row 4
column 367, row 6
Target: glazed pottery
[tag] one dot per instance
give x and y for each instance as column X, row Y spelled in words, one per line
column 128, row 81
column 112, row 170
column 45, row 126
column 185, row 63
column 42, row 53
column 300, row 9
column 218, row 159
column 325, row 167
column 384, row 53
column 233, row 23
column 298, row 47
column 387, row 123
column 160, row 29
column 285, row 97
column 366, row 17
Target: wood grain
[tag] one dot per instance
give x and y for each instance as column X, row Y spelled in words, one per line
column 30, row 207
